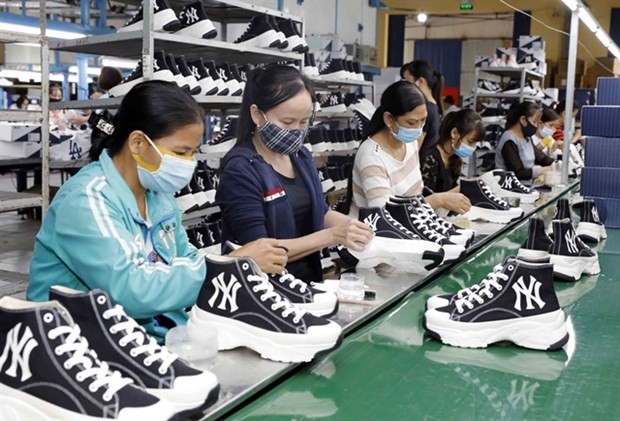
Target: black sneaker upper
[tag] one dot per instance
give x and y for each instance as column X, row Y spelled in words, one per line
column 236, row 288
column 537, row 238
column 331, row 100
column 193, row 13
column 159, row 62
column 519, row 289
column 259, row 25
column 384, row 225
column 481, row 196
column 434, row 221
column 121, row 341
column 43, row 354
column 334, row 65
column 158, row 6
column 409, row 217
column 172, row 65
column 228, row 132
column 293, row 289
column 562, row 209
column 589, row 213
column 566, row 242
column 509, row 181
column 198, row 69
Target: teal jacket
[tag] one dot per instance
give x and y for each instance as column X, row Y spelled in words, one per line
column 94, row 237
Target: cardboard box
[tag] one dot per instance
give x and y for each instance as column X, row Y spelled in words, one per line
column 19, row 132
column 602, row 152
column 531, row 41
column 19, row 149
column 611, row 63
column 482, row 61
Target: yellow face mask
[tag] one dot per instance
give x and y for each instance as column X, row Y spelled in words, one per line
column 161, row 151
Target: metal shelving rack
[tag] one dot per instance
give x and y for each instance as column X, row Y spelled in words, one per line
column 507, row 72
column 11, row 200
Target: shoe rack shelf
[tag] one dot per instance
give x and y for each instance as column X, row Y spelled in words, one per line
column 339, row 83
column 217, row 102
column 194, row 217
column 521, row 74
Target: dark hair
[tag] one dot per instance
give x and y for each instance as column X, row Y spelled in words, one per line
column 109, row 77
column 268, row 87
column 398, row 99
column 155, row 107
column 520, row 109
column 421, row 68
column 449, row 100
column 549, row 114
column 20, row 101
column 561, row 106
column 464, row 121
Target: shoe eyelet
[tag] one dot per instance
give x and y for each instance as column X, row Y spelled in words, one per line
column 263, row 298
column 79, row 377
column 160, row 371
column 48, row 317
column 491, row 295
column 107, row 397
column 92, row 389
column 112, row 330
column 254, row 289
column 272, row 308
column 57, row 351
column 122, row 343
column 245, row 266
column 511, row 267
column 499, row 288
column 133, row 353
column 66, row 365
column 101, row 299
column 147, row 362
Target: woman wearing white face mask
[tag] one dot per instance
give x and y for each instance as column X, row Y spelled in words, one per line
column 116, row 226
column 459, row 133
column 543, row 139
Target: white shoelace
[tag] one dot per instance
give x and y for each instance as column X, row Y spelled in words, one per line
column 520, row 185
column 82, row 355
column 146, row 344
column 492, row 195
column 294, row 283
column 487, row 286
column 398, row 225
column 280, row 302
column 420, row 222
column 443, row 225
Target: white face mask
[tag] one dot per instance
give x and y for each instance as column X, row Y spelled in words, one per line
column 172, row 174
column 546, row 131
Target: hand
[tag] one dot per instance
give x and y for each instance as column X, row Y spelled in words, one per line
column 266, row 252
column 353, row 234
column 456, row 202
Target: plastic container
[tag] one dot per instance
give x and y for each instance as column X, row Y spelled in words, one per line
column 192, row 347
column 351, row 287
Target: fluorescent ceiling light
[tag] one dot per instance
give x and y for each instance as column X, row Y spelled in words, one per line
column 422, row 17
column 587, row 18
column 120, row 63
column 603, row 37
column 89, row 70
column 614, row 50
column 33, row 30
column 572, row 4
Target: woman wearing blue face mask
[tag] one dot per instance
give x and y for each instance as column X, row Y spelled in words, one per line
column 116, row 226
column 459, row 133
column 515, row 151
column 270, row 186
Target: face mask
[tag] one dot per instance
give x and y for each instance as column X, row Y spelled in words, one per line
column 464, row 150
column 171, row 175
column 546, row 131
column 407, row 135
column 529, row 130
column 282, row 141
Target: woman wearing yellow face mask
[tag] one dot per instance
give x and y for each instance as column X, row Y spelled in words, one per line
column 116, row 226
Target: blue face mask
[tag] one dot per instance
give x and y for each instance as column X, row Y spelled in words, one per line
column 464, row 151
column 546, row 131
column 407, row 135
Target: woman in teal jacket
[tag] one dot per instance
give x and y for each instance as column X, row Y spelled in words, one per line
column 116, row 226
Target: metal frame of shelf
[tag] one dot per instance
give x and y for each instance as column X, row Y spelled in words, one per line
column 219, row 102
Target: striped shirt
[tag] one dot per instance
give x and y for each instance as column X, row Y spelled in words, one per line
column 377, row 175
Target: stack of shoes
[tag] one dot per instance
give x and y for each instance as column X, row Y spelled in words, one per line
column 413, row 218
column 293, row 38
column 186, row 200
column 487, row 87
column 199, row 193
column 207, row 83
column 395, row 245
column 310, row 68
column 192, row 82
column 359, row 103
column 262, row 33
column 179, row 78
column 327, row 184
column 537, row 245
column 206, row 237
column 195, row 23
column 516, row 303
column 232, row 79
column 317, row 138
column 161, row 71
column 590, row 227
column 334, row 70
column 105, row 364
column 164, row 19
column 242, row 304
column 225, row 140
column 506, row 184
column 331, row 103
column 487, row 206
column 222, row 89
column 571, row 258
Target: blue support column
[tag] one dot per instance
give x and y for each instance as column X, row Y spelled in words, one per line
column 102, row 22
column 66, row 94
column 82, row 89
column 85, row 13
column 336, row 19
column 280, row 5
column 23, row 7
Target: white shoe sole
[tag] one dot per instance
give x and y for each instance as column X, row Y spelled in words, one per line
column 453, row 252
column 295, row 43
column 328, row 185
column 264, row 40
column 201, row 29
column 186, row 202
column 194, row 86
column 195, row 392
column 208, row 85
column 320, row 147
column 544, row 332
column 20, row 406
column 339, row 75
column 525, row 198
column 537, row 256
column 124, row 88
column 591, row 232
column 492, row 215
column 160, row 20
column 571, row 268
column 284, row 347
column 340, row 108
column 219, row 148
column 412, row 256
column 323, row 307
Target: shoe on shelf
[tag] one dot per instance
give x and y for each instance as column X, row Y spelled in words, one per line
column 327, row 183
column 186, row 200
column 537, row 245
column 206, row 82
column 164, row 18
column 561, row 212
column 126, row 347
column 225, row 140
column 395, row 245
column 334, row 70
column 516, row 304
column 48, row 370
column 161, row 71
column 506, row 184
column 318, row 139
column 195, row 22
column 199, row 194
column 180, row 80
column 293, row 37
column 332, row 103
column 487, row 206
column 590, row 227
column 240, row 302
column 234, row 87
column 194, row 87
column 205, row 184
column 571, row 258
column 310, row 68
column 260, row 33
column 281, row 37
column 222, row 88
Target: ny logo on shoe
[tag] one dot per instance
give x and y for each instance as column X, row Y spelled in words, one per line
column 371, row 221
column 155, row 6
column 571, row 242
column 530, row 293
column 222, row 74
column 525, row 395
column 229, row 292
column 211, row 237
column 20, row 349
column 333, row 100
column 192, row 15
column 200, row 239
column 215, row 180
column 155, row 65
column 595, row 216
column 507, row 183
column 195, row 71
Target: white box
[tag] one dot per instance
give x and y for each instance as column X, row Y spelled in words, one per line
column 531, row 41
column 19, row 132
column 19, row 149
column 482, row 61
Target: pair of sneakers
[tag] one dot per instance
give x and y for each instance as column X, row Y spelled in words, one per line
column 79, row 356
column 278, row 316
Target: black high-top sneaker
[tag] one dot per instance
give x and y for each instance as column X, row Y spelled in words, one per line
column 463, row 236
column 190, row 79
column 225, row 140
column 332, row 103
column 487, row 206
column 327, row 184
column 161, row 71
column 203, row 178
column 274, row 24
column 195, row 22
column 395, row 245
column 134, row 78
column 357, row 68
column 318, row 139
column 562, row 211
column 240, row 302
column 537, row 244
column 310, row 68
column 200, row 72
column 236, row 74
column 233, row 85
column 590, row 227
column 260, row 33
column 199, row 195
column 415, row 221
column 571, row 258
column 506, row 184
column 178, row 76
column 517, row 304
column 186, row 200
column 334, row 70
column 164, row 18
column 294, row 40
column 48, row 371
column 222, row 89
column 125, row 346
